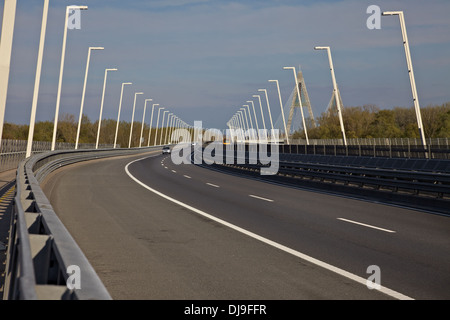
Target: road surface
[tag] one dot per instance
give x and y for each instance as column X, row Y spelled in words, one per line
column 155, row 230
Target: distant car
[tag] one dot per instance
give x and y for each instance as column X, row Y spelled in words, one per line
column 165, row 150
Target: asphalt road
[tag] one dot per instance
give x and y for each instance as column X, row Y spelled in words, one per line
column 143, row 245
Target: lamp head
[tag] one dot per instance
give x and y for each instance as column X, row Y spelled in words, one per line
column 77, row 7
column 391, row 13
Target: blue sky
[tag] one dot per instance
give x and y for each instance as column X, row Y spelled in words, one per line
column 203, row 59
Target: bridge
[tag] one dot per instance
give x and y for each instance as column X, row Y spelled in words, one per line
column 141, row 227
column 243, row 215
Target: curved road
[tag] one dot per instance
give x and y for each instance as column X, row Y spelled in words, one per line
column 155, row 230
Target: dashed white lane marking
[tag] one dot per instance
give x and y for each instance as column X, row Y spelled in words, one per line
column 366, row 225
column 212, row 185
column 260, row 198
column 274, row 244
column 186, row 176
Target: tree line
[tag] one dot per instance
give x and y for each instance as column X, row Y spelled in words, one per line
column 369, row 121
column 366, row 121
column 67, row 131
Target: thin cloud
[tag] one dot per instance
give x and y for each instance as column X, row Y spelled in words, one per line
column 188, row 53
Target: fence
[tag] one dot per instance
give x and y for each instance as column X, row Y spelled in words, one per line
column 441, row 142
column 13, row 151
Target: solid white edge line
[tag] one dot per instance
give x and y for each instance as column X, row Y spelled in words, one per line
column 293, row 252
column 260, row 198
column 366, row 225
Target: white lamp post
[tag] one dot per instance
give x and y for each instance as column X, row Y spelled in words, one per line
column 84, row 93
column 254, row 114
column 162, row 127
column 299, row 102
column 101, row 106
column 132, row 118
column 268, row 107
column 410, row 71
column 151, row 121
column 118, row 112
column 282, row 111
column 143, row 118
column 251, row 121
column 246, row 119
column 6, row 43
column 37, row 80
column 241, row 118
column 260, row 106
column 61, row 70
column 241, row 115
column 169, row 121
column 157, row 124
column 336, row 94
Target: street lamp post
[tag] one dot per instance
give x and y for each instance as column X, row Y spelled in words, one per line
column 336, row 93
column 282, row 111
column 299, row 102
column 237, row 123
column 410, row 71
column 260, row 106
column 169, row 118
column 118, row 112
column 157, row 124
column 101, row 106
column 251, row 121
column 268, row 107
column 61, row 71
column 6, row 43
column 132, row 118
column 241, row 115
column 246, row 120
column 143, row 118
column 84, row 93
column 151, row 121
column 256, row 120
column 162, row 128
column 173, row 121
column 37, row 80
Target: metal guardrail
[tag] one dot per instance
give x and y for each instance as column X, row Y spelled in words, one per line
column 12, row 152
column 433, row 151
column 418, row 183
column 40, row 248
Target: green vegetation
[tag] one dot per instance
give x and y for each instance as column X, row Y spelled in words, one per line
column 67, row 131
column 370, row 122
column 367, row 121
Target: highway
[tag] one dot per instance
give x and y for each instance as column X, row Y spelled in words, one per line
column 155, row 230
